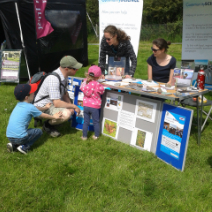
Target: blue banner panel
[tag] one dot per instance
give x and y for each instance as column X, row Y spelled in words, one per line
column 174, row 135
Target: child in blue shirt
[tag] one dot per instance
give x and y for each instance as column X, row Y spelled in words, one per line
column 20, row 137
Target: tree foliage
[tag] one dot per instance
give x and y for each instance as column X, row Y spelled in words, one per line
column 162, row 12
column 92, row 8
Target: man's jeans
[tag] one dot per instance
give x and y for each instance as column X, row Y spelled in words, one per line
column 29, row 140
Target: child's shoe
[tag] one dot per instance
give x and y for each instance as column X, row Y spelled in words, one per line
column 94, row 137
column 11, row 147
column 84, row 138
column 23, row 149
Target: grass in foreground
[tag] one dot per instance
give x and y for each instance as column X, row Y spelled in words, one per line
column 67, row 174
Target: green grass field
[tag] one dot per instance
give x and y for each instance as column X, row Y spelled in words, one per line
column 66, row 174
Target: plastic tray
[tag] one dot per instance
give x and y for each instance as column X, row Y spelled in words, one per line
column 113, row 78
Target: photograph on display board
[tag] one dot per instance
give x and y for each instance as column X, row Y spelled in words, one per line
column 114, row 101
column 172, row 134
column 80, row 103
column 188, row 64
column 10, row 65
column 199, row 64
column 111, row 70
column 110, row 128
column 145, row 110
column 183, row 73
column 141, row 139
column 118, row 71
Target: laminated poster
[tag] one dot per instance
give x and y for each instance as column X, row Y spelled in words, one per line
column 145, row 110
column 126, row 119
column 10, row 65
column 110, row 128
column 114, row 101
column 141, row 139
column 172, row 134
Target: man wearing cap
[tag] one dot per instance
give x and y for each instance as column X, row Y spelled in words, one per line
column 20, row 137
column 50, row 89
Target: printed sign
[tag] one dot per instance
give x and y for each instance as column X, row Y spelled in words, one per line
column 121, row 13
column 174, row 135
column 197, row 30
column 10, row 65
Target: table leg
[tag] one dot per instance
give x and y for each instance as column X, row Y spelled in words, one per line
column 199, row 118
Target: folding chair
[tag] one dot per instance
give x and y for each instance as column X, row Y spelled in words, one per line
column 192, row 103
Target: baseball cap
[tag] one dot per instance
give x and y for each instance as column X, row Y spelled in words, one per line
column 69, row 61
column 22, row 90
column 95, row 71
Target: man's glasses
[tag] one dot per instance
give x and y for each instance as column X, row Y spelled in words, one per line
column 72, row 68
column 108, row 39
column 154, row 50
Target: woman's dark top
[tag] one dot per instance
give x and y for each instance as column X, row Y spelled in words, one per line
column 124, row 49
column 161, row 73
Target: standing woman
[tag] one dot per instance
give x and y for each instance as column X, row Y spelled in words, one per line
column 116, row 43
column 160, row 64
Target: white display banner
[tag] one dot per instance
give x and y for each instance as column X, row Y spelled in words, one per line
column 124, row 14
column 197, row 30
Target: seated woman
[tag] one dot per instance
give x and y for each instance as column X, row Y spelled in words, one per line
column 160, row 64
column 116, row 43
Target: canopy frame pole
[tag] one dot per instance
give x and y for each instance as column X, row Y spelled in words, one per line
column 22, row 40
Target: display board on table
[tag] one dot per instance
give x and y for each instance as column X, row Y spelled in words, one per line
column 174, row 135
column 182, row 77
column 122, row 15
column 197, row 30
column 116, row 66
column 131, row 119
column 10, row 61
column 196, row 65
column 76, row 95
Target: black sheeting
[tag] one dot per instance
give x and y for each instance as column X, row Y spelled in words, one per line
column 68, row 18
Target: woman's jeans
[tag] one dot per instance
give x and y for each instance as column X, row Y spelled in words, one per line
column 95, row 116
column 29, row 140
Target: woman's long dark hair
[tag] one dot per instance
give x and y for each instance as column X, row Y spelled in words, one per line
column 121, row 35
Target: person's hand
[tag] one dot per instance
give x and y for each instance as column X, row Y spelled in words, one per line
column 47, row 106
column 169, row 82
column 77, row 110
column 58, row 115
column 128, row 76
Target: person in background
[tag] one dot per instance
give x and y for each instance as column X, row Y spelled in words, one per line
column 92, row 100
column 20, row 137
column 160, row 64
column 116, row 43
column 49, row 92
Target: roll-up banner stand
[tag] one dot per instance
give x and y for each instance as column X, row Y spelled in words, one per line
column 197, row 30
column 124, row 14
